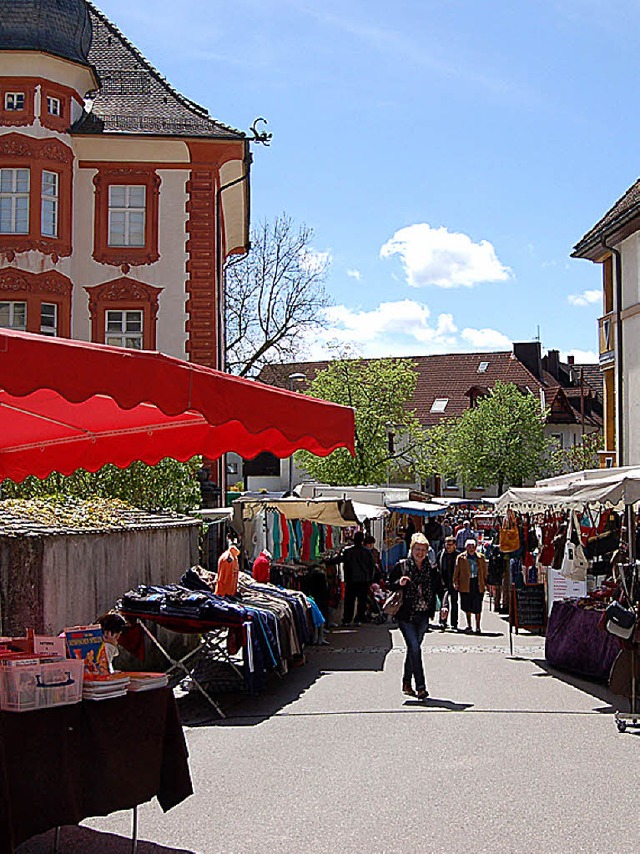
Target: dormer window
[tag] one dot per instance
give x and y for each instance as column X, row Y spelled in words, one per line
column 14, row 101
column 439, row 404
column 482, row 367
column 54, row 107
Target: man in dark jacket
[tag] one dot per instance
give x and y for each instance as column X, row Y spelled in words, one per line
column 359, row 569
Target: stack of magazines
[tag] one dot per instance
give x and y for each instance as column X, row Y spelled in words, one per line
column 147, row 681
column 105, row 687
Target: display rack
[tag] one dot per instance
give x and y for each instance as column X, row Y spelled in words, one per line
column 212, row 638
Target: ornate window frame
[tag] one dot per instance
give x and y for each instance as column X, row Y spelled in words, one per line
column 62, row 122
column 36, row 288
column 18, row 118
column 40, row 155
column 124, row 294
column 126, row 256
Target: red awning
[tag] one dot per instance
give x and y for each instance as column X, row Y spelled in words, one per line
column 66, row 405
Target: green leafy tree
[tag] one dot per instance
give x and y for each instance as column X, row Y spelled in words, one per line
column 169, row 485
column 379, row 390
column 577, row 457
column 500, row 441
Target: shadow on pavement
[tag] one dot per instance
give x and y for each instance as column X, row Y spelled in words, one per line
column 435, row 703
column 82, row 840
column 595, row 689
column 362, row 648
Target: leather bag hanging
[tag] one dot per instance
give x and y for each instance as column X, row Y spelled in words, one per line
column 620, row 621
column 509, row 535
column 574, row 563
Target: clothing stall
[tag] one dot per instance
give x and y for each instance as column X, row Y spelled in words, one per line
column 583, row 634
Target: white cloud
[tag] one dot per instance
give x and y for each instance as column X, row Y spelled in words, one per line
column 354, row 274
column 486, row 339
column 446, row 259
column 582, row 357
column 585, row 298
column 401, row 328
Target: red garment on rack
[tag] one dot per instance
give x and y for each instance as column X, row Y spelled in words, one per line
column 307, row 533
column 285, row 537
column 549, row 531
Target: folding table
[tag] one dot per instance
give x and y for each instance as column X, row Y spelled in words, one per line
column 212, row 643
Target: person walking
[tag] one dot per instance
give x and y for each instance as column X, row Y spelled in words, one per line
column 418, row 578
column 465, row 533
column 447, row 568
column 359, row 569
column 470, row 579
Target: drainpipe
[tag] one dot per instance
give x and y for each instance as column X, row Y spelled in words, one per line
column 619, row 383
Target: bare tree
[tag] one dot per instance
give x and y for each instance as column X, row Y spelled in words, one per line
column 273, row 295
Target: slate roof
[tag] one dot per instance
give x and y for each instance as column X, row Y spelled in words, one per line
column 451, row 376
column 623, row 211
column 134, row 98
column 62, row 28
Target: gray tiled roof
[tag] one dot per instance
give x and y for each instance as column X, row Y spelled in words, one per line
column 134, row 98
column 626, row 208
column 60, row 27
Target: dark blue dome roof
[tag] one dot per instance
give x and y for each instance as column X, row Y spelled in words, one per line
column 60, row 27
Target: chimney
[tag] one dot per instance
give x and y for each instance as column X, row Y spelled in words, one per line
column 553, row 363
column 571, row 360
column 529, row 353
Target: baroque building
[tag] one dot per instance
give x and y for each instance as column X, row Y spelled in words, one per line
column 120, row 199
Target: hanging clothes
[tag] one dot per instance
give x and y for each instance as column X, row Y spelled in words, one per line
column 315, row 540
column 307, row 531
column 276, row 531
column 284, row 526
column 228, row 569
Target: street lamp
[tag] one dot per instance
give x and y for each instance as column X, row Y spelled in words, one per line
column 294, row 380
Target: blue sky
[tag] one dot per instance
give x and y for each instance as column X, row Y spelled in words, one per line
column 447, row 153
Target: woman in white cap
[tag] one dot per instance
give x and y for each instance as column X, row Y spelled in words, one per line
column 470, row 579
column 418, row 578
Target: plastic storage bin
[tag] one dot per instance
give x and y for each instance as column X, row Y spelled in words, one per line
column 27, row 687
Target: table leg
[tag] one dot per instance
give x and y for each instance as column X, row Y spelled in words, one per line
column 180, row 665
column 134, row 831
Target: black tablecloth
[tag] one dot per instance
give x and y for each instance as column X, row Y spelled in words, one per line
column 574, row 642
column 59, row 766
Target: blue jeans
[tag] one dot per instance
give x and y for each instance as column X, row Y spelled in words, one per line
column 413, row 632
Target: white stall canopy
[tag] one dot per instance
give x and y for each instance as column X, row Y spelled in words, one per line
column 606, row 487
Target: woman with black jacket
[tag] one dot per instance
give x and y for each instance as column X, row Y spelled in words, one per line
column 447, row 568
column 418, row 578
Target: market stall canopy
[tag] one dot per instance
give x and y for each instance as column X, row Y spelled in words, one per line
column 327, row 511
column 66, row 405
column 613, row 489
column 418, row 508
column 369, row 511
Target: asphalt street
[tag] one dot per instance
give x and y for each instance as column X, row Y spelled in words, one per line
column 505, row 756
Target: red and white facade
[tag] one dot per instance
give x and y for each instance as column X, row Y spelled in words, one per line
column 110, row 234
